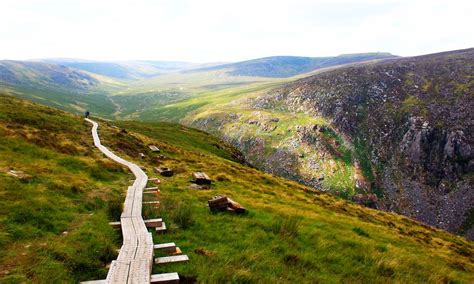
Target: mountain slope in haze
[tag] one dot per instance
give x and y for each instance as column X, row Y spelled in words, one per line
column 44, row 75
column 287, row 66
column 410, row 123
column 130, row 70
column 58, row 86
column 54, row 226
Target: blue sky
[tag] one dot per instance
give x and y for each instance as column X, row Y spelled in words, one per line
column 212, row 30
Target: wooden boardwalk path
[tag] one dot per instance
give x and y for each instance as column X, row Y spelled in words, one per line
column 135, row 260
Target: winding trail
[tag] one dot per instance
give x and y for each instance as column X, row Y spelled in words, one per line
column 135, row 259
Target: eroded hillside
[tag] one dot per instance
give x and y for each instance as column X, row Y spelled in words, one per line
column 410, row 124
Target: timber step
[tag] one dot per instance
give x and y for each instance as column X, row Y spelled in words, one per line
column 151, row 191
column 166, row 247
column 115, row 225
column 151, row 223
column 155, row 203
column 153, row 148
column 165, row 278
column 151, row 188
column 155, row 180
column 171, row 259
column 161, row 229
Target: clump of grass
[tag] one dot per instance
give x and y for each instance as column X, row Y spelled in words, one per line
column 114, row 209
column 182, row 216
column 381, row 247
column 286, row 226
column 360, row 232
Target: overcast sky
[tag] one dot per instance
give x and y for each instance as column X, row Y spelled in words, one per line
column 220, row 30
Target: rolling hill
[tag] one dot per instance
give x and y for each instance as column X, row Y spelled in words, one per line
column 44, row 75
column 129, row 70
column 54, row 227
column 58, row 86
column 288, row 66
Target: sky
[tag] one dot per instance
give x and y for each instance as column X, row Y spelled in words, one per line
column 228, row 30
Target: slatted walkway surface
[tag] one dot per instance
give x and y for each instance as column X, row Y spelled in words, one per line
column 135, row 259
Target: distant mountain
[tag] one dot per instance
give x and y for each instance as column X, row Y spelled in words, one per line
column 124, row 69
column 56, row 85
column 38, row 74
column 287, row 66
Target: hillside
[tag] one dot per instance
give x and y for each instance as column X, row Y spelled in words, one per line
column 54, row 224
column 130, row 70
column 58, row 86
column 35, row 74
column 338, row 131
column 287, row 66
column 409, row 122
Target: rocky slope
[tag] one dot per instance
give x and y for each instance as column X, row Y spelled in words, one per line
column 409, row 122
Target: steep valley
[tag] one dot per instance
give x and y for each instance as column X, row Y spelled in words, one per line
column 396, row 135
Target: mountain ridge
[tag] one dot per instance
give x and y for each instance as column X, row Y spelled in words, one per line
column 287, row 66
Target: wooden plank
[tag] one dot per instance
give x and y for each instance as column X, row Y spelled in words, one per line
column 161, row 229
column 153, row 148
column 165, row 278
column 153, row 223
column 155, row 181
column 171, row 259
column 166, row 172
column 152, row 192
column 201, row 178
column 152, row 203
column 166, row 247
column 140, row 271
column 151, row 188
column 115, row 225
column 94, row 282
column 118, row 272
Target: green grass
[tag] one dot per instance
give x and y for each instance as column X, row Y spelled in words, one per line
column 54, row 227
column 290, row 234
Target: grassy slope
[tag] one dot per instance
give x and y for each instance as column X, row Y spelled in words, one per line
column 73, row 190
column 333, row 240
column 97, row 103
column 291, row 234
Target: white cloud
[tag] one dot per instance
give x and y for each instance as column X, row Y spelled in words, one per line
column 208, row 30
